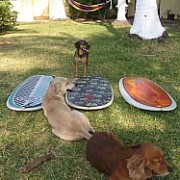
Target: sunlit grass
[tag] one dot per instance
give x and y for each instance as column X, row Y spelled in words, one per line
column 48, row 48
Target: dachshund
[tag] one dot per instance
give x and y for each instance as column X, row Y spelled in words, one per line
column 136, row 162
column 81, row 55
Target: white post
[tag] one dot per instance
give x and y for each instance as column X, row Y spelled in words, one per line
column 147, row 24
column 121, row 10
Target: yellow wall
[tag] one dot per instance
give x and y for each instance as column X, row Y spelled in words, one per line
column 131, row 8
column 173, row 5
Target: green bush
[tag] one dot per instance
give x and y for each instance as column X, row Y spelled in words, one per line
column 7, row 16
column 104, row 13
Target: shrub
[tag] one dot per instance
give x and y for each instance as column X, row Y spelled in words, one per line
column 7, row 16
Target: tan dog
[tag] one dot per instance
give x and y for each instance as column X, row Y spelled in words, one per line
column 66, row 124
column 137, row 162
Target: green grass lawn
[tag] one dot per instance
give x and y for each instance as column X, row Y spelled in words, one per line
column 48, row 48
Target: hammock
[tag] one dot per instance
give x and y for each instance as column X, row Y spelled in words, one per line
column 87, row 8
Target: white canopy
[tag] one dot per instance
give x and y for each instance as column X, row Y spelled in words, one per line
column 28, row 10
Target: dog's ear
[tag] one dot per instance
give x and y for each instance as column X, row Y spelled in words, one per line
column 137, row 166
column 77, row 44
column 57, row 88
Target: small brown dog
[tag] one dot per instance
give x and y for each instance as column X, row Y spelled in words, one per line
column 81, row 55
column 66, row 124
column 138, row 162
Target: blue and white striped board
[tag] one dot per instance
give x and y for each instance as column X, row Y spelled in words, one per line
column 29, row 94
column 90, row 93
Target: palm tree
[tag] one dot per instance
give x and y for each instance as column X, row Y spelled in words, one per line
column 147, row 24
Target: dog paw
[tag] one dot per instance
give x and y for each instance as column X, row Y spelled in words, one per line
column 91, row 131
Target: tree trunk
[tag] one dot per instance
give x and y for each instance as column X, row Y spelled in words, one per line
column 147, row 24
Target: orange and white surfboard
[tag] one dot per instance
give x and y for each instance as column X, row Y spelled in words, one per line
column 145, row 94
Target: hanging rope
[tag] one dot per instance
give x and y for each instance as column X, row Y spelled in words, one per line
column 87, row 8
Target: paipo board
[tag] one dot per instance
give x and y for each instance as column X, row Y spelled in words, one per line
column 90, row 93
column 29, row 94
column 145, row 94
